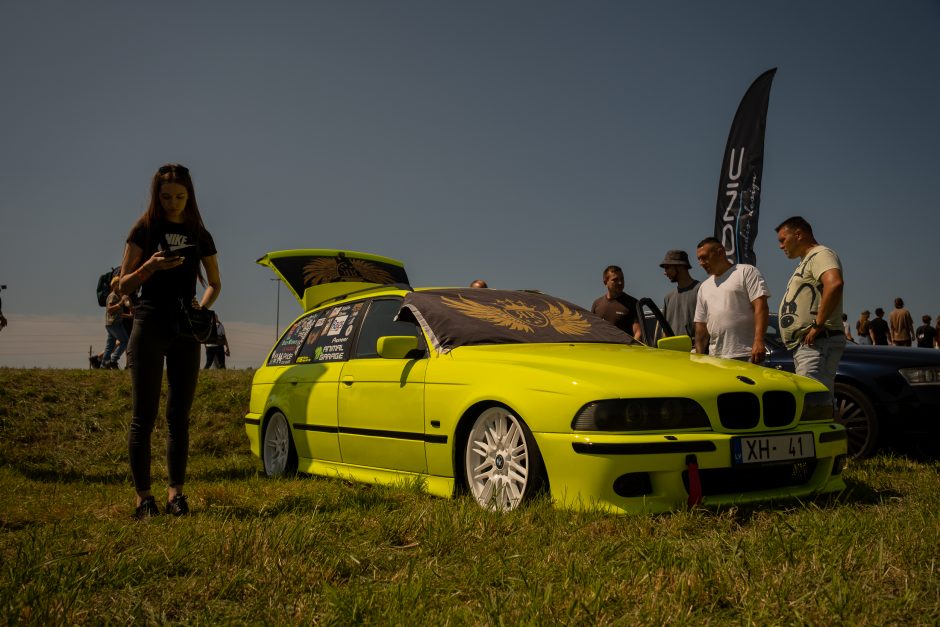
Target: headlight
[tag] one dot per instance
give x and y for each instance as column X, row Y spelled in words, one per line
column 925, row 375
column 640, row 414
column 816, row 406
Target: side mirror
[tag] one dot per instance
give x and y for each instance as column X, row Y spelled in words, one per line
column 681, row 343
column 395, row 346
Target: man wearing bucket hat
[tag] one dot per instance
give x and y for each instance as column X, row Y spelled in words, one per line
column 679, row 305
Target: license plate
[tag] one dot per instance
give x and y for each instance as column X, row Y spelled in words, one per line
column 772, row 448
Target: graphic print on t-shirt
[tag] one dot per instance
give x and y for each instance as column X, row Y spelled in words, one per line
column 176, row 242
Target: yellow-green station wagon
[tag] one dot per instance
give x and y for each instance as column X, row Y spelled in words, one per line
column 505, row 394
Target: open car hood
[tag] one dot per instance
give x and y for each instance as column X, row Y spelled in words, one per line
column 315, row 275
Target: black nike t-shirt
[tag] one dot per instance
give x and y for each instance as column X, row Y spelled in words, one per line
column 162, row 292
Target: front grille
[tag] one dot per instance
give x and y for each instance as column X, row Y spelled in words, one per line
column 744, row 479
column 779, row 409
column 738, row 410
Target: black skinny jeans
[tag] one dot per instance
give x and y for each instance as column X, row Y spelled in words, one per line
column 152, row 341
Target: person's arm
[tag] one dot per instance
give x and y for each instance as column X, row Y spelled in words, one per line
column 225, row 344
column 127, row 307
column 637, row 331
column 701, row 338
column 213, row 281
column 761, row 316
column 832, row 293
column 134, row 272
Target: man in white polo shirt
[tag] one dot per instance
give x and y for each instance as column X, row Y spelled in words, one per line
column 731, row 312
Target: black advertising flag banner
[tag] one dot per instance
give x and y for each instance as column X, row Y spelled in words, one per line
column 468, row 316
column 740, row 181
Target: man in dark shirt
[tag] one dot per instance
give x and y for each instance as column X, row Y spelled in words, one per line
column 926, row 333
column 878, row 328
column 616, row 306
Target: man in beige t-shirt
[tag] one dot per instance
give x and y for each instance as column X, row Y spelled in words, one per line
column 900, row 325
column 811, row 309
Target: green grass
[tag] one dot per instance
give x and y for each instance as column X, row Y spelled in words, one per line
column 310, row 550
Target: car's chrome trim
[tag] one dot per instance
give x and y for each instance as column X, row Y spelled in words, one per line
column 375, row 433
column 644, row 448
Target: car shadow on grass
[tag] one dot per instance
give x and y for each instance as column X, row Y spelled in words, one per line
column 856, row 493
column 859, row 493
column 925, row 451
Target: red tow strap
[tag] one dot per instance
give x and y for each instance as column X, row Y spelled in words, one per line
column 695, row 481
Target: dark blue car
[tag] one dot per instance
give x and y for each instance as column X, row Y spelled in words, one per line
column 885, row 395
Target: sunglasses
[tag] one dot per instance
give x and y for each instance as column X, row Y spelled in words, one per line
column 176, row 169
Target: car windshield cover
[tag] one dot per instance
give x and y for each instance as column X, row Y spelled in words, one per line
column 463, row 317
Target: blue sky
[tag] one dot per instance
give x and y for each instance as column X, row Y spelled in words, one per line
column 527, row 143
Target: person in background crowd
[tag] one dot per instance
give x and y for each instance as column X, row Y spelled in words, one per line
column 164, row 251
column 479, row 283
column 878, row 328
column 731, row 311
column 3, row 321
column 115, row 328
column 861, row 328
column 847, row 328
column 679, row 304
column 616, row 306
column 900, row 324
column 926, row 334
column 811, row 309
column 216, row 353
column 936, row 335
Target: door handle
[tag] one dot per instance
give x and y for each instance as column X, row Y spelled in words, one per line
column 292, row 380
column 348, row 379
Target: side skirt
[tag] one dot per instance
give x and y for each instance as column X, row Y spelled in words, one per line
column 434, row 485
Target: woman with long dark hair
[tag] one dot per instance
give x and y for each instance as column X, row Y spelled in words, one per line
column 164, row 251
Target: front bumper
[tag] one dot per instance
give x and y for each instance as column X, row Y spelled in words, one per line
column 650, row 473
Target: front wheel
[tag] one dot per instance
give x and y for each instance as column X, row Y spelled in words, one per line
column 277, row 452
column 501, row 460
column 857, row 414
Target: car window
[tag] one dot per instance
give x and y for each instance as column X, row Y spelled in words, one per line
column 288, row 348
column 331, row 336
column 380, row 321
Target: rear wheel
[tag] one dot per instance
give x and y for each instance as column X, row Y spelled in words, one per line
column 857, row 414
column 278, row 453
column 501, row 460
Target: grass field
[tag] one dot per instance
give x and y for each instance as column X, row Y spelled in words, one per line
column 320, row 551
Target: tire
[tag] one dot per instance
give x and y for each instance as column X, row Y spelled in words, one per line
column 277, row 449
column 502, row 464
column 857, row 414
